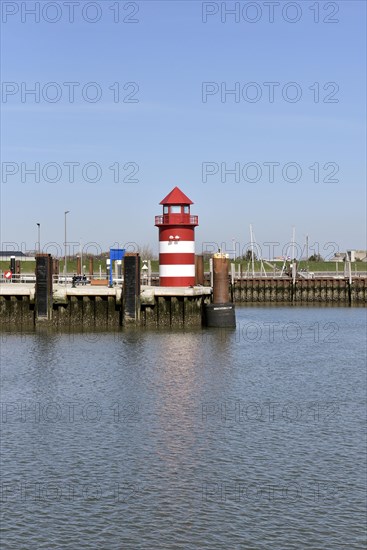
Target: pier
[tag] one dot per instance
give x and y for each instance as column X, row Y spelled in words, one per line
column 102, row 307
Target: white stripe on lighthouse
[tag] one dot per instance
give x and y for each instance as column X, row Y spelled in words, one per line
column 177, row 270
column 173, row 247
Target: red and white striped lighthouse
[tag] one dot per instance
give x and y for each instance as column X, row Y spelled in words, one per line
column 176, row 240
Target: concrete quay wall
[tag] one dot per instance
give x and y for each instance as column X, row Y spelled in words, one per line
column 103, row 308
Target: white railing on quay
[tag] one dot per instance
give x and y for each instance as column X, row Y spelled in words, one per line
column 153, row 280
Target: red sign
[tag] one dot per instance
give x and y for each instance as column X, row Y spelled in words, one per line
column 8, row 274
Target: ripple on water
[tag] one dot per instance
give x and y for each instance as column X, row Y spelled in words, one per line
column 192, row 439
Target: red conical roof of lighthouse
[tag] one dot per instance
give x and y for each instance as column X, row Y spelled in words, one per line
column 176, row 196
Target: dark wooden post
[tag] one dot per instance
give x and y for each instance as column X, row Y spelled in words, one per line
column 131, row 292
column 43, row 297
column 220, row 280
column 199, row 269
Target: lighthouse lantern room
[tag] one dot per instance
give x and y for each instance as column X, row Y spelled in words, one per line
column 176, row 240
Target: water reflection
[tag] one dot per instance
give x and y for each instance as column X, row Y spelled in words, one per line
column 190, row 429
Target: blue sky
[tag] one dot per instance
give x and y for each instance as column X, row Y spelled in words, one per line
column 166, row 135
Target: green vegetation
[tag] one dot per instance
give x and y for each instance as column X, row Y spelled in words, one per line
column 29, row 267
column 309, row 266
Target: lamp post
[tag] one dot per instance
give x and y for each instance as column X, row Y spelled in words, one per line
column 234, row 248
column 65, row 269
column 81, row 257
column 39, row 238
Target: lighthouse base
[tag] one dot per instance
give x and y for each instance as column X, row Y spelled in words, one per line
column 220, row 315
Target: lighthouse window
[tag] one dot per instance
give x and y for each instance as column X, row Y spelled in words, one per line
column 165, row 209
column 186, row 209
column 175, row 209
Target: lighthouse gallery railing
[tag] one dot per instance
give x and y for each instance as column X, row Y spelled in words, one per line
column 184, row 219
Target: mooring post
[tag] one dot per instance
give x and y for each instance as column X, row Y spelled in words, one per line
column 199, row 269
column 220, row 279
column 131, row 292
column 43, row 295
column 221, row 313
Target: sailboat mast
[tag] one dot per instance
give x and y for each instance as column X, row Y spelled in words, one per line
column 252, row 251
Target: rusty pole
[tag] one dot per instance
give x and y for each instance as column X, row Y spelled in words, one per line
column 220, row 313
column 220, row 279
column 199, row 269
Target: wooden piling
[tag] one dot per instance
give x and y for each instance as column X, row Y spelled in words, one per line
column 220, row 279
column 43, row 296
column 131, row 293
column 199, row 269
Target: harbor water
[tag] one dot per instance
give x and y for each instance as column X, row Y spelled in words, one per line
column 246, row 438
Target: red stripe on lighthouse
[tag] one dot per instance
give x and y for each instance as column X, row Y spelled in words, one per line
column 176, row 259
column 185, row 233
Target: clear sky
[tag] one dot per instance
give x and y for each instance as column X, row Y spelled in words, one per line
column 174, row 124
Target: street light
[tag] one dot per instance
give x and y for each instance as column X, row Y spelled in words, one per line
column 39, row 238
column 65, row 270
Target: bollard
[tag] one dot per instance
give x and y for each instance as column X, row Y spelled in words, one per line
column 221, row 313
column 199, row 269
column 43, row 295
column 131, row 290
column 220, row 279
